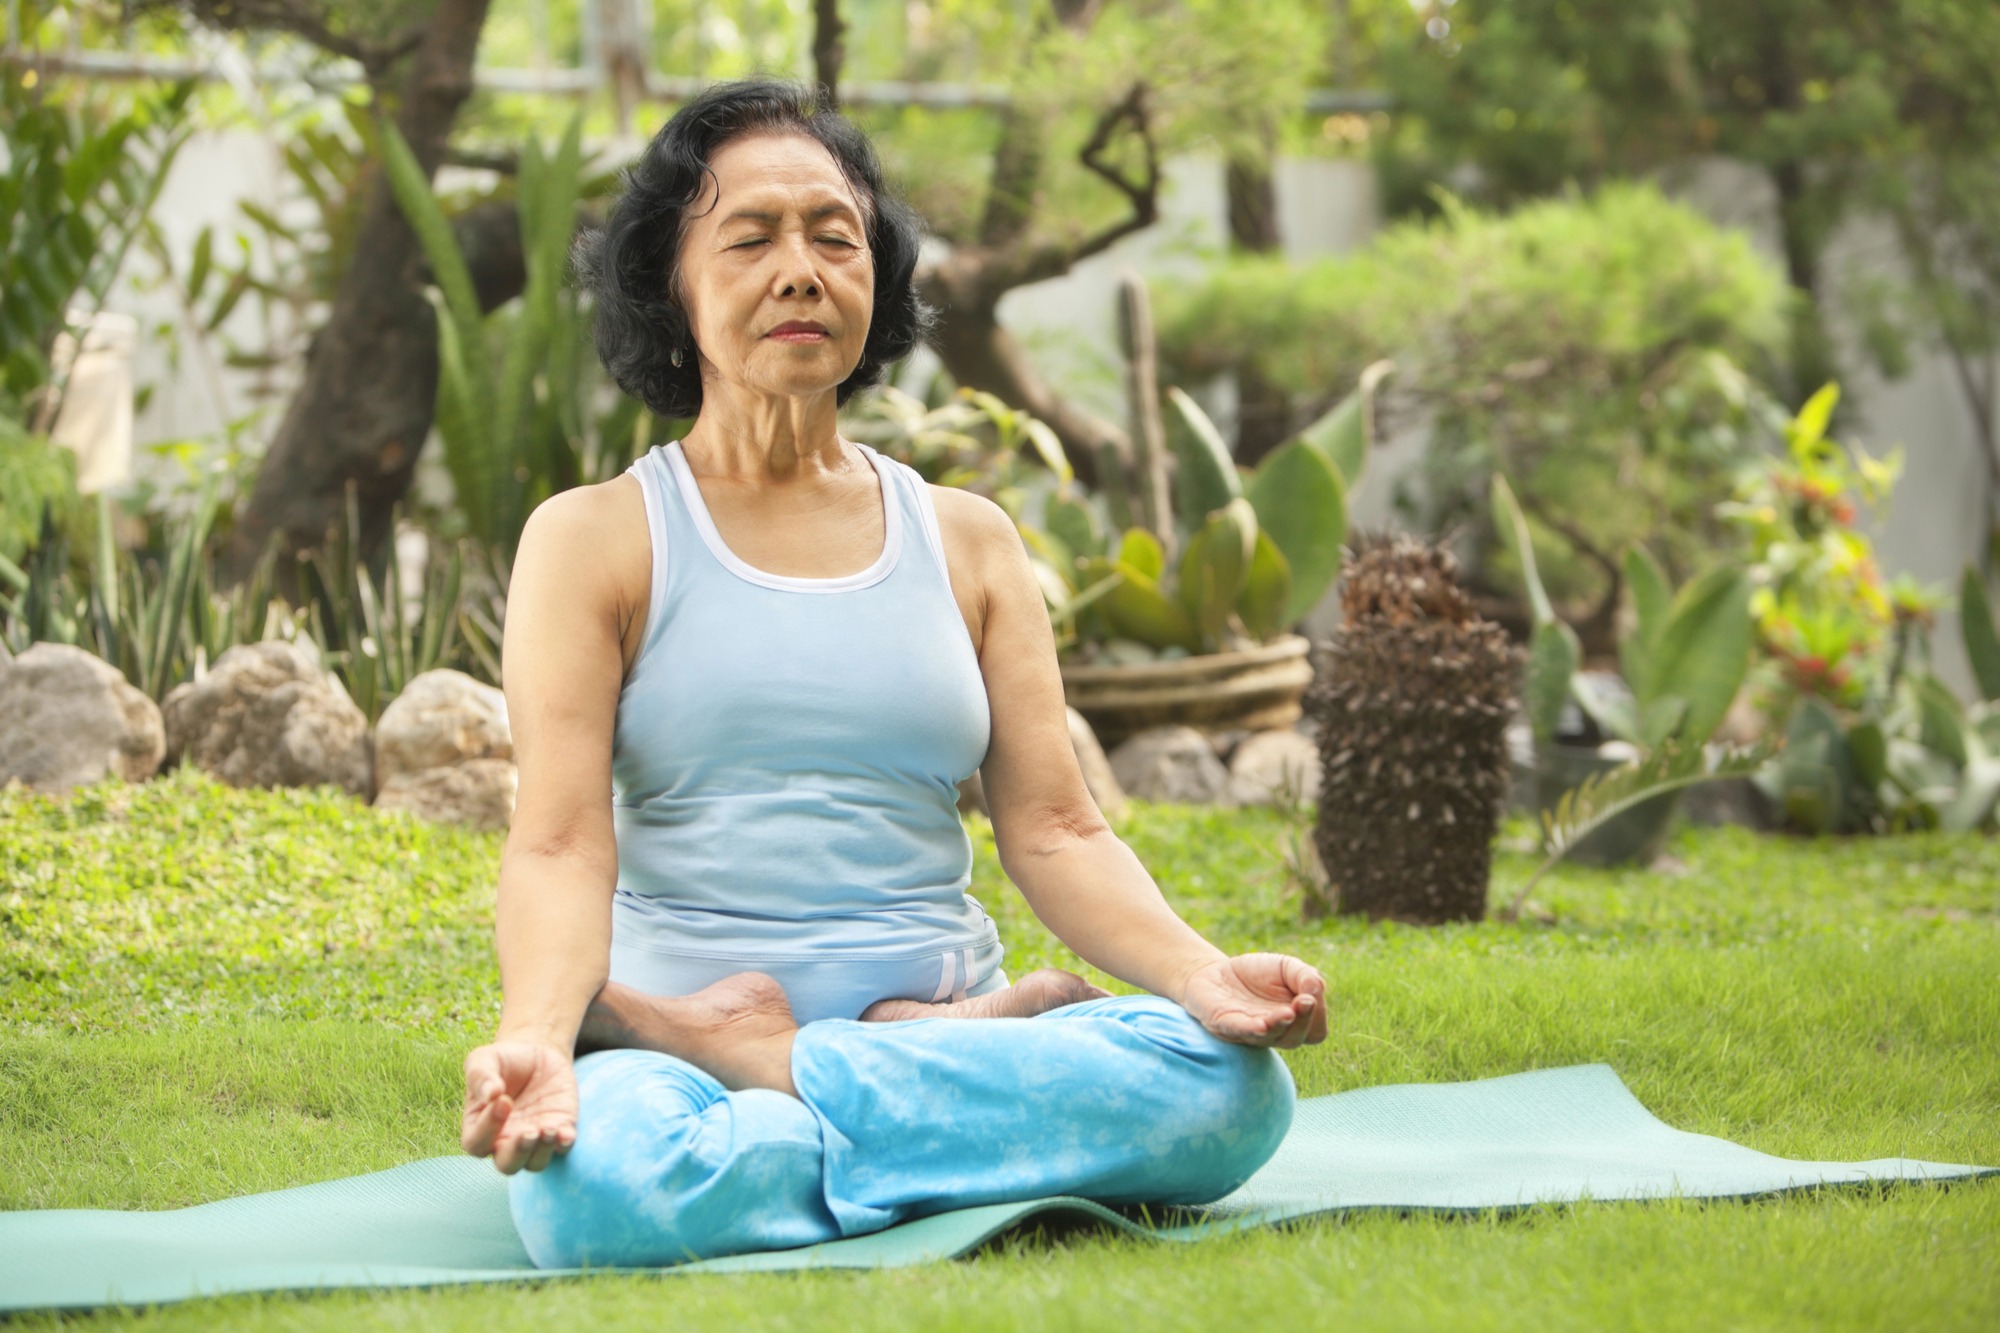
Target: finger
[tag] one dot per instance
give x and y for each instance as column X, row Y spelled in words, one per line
column 512, row 1151
column 1316, row 1029
column 482, row 1075
column 544, row 1149
column 1301, row 977
column 483, row 1125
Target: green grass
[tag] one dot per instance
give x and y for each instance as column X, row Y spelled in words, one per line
column 205, row 992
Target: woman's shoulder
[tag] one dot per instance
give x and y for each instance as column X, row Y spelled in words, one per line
column 592, row 539
column 972, row 521
column 600, row 518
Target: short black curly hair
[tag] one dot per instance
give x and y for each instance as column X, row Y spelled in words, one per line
column 630, row 263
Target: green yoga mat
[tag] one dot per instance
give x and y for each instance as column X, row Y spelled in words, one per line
column 1551, row 1136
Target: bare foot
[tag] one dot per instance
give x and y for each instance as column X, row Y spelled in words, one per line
column 739, row 1030
column 1036, row 993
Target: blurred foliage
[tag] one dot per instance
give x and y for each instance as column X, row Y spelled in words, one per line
column 1847, row 106
column 82, row 170
column 523, row 410
column 162, row 616
column 1825, row 616
column 1592, row 349
column 1874, row 740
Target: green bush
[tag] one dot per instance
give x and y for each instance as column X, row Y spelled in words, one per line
column 1592, row 349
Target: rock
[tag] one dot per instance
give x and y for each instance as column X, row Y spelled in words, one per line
column 1271, row 765
column 1097, row 776
column 443, row 750
column 1171, row 764
column 1097, row 773
column 265, row 716
column 68, row 718
column 479, row 792
column 972, row 795
column 441, row 718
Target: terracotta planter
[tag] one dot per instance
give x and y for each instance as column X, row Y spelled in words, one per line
column 1252, row 690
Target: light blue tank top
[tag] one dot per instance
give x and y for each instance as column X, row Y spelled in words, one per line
column 785, row 767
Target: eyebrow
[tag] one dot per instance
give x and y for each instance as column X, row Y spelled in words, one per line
column 771, row 219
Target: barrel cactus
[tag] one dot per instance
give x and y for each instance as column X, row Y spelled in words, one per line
column 1412, row 703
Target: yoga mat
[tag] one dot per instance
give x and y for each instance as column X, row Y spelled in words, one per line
column 1550, row 1136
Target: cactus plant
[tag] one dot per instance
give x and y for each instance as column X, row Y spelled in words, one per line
column 1211, row 555
column 1412, row 716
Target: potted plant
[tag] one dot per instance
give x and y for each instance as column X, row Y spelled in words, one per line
column 1174, row 590
column 1680, row 669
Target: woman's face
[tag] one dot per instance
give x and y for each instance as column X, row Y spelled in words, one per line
column 775, row 269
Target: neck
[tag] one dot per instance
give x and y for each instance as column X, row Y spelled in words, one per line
column 745, row 435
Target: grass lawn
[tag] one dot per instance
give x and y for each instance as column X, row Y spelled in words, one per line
column 206, row 992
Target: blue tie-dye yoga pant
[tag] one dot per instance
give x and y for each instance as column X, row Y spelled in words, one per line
column 1123, row 1100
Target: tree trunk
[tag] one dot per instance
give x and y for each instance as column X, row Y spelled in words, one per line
column 1263, row 410
column 1813, row 359
column 364, row 408
column 829, row 48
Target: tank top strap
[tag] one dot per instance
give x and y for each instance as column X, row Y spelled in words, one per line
column 667, row 528
column 920, row 512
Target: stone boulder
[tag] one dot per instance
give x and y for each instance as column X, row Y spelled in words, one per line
column 1097, row 773
column 443, row 751
column 265, row 715
column 478, row 792
column 68, row 718
column 1098, row 778
column 1272, row 765
column 1171, row 764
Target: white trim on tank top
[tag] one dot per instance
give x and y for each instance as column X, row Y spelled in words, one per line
column 892, row 538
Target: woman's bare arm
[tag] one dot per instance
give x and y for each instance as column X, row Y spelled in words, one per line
column 570, row 613
column 1082, row 881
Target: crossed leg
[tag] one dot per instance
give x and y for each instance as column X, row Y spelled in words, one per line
column 1124, row 1100
column 740, row 1029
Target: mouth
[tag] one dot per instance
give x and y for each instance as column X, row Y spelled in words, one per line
column 799, row 331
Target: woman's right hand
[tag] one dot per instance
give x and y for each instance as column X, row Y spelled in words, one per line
column 520, row 1104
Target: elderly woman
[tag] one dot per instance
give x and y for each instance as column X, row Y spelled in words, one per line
column 745, row 679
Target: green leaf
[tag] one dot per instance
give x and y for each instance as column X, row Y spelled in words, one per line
column 1343, row 434
column 1048, row 447
column 1206, row 480
column 1266, row 592
column 1978, row 790
column 1137, row 609
column 1302, row 503
column 1703, row 651
column 1216, row 565
column 1050, row 550
column 1868, row 748
column 1075, row 523
column 1808, row 428
column 1513, row 525
column 1940, row 720
column 1553, row 657
column 1652, row 596
column 412, row 189
column 1611, row 708
column 204, row 258
column 1598, row 800
column 1140, row 550
column 1982, row 640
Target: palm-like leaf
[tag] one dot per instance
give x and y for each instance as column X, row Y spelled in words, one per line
column 1597, row 800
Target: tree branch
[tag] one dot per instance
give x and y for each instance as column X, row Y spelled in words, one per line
column 301, row 18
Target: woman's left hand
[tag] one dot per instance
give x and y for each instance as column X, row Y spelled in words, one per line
column 1259, row 999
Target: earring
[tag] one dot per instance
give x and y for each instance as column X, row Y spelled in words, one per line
column 675, row 357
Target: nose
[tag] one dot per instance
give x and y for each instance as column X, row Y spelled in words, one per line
column 796, row 275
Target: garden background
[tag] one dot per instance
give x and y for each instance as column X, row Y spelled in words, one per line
column 1674, row 324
